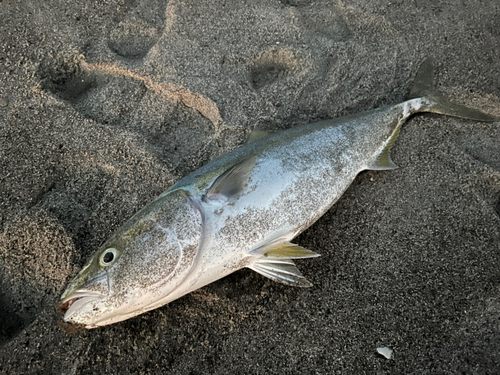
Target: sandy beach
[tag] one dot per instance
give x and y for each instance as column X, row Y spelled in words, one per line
column 104, row 105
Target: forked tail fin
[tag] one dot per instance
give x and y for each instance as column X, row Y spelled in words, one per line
column 423, row 87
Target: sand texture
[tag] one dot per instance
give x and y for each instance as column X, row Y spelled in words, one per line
column 105, row 104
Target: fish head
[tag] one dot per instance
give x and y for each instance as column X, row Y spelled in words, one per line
column 140, row 265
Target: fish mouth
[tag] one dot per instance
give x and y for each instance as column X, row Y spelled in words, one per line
column 76, row 300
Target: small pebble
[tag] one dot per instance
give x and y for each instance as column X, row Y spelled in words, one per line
column 4, row 102
column 386, row 352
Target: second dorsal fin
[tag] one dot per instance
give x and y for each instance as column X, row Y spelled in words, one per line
column 256, row 134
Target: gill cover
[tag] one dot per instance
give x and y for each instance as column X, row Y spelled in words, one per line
column 159, row 244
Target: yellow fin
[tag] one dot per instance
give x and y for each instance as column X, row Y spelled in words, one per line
column 275, row 262
column 286, row 250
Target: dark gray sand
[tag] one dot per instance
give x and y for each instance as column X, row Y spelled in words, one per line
column 104, row 105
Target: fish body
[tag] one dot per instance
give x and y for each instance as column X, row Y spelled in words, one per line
column 241, row 210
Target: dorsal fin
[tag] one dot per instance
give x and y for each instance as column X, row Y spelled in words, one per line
column 231, row 182
column 256, row 134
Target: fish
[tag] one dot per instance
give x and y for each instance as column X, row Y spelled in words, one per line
column 242, row 210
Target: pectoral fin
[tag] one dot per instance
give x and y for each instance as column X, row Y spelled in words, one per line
column 231, row 182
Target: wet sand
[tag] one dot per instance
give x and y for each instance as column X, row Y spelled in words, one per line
column 103, row 106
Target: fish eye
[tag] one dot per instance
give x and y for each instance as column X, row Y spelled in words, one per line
column 108, row 257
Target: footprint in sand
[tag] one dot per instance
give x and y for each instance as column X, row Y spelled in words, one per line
column 139, row 31
column 174, row 122
column 103, row 98
column 169, row 119
column 272, row 66
column 265, row 74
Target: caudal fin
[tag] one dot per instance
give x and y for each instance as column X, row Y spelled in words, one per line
column 423, row 87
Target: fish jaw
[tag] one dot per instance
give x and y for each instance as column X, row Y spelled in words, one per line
column 83, row 297
column 90, row 310
column 78, row 304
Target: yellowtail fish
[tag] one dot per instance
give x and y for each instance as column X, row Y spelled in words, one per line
column 242, row 210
